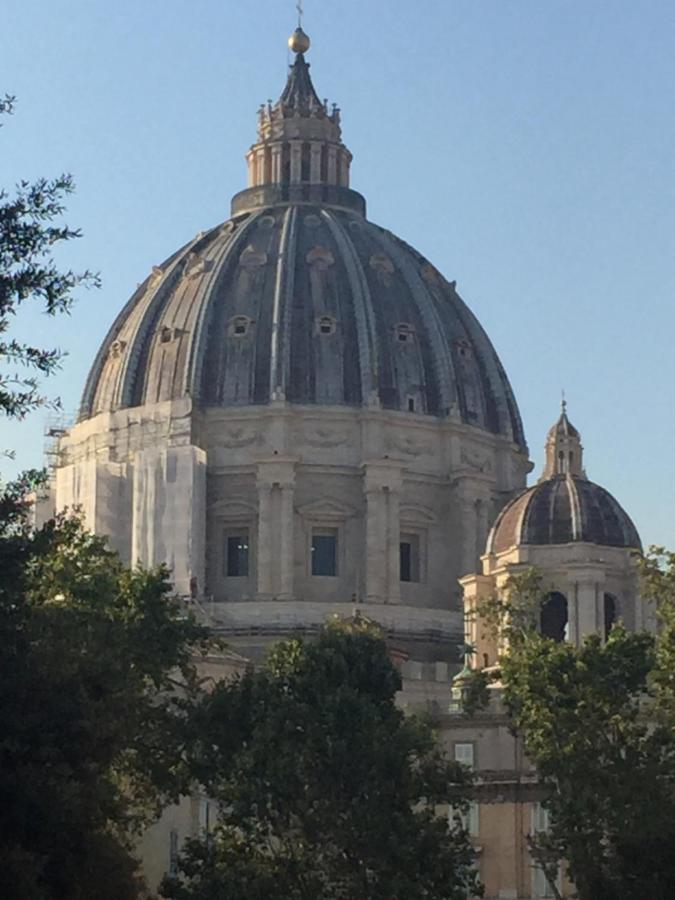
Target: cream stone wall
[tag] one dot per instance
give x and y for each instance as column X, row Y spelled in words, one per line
column 508, row 799
column 582, row 572
column 165, row 483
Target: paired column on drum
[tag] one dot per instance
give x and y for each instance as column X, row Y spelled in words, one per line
column 383, row 480
column 275, row 483
column 473, row 499
column 586, row 614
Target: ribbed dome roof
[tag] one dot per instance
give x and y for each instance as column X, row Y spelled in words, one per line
column 561, row 510
column 313, row 303
column 299, row 297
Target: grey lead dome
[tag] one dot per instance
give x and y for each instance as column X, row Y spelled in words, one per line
column 562, row 510
column 313, row 304
column 299, row 298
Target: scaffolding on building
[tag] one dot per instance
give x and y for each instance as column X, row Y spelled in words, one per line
column 56, row 426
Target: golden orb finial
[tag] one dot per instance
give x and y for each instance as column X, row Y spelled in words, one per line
column 299, row 42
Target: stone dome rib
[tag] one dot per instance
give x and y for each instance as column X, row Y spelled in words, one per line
column 364, row 316
column 202, row 323
column 235, row 318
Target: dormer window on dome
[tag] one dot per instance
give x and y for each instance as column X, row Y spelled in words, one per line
column 240, row 326
column 405, row 333
column 325, row 325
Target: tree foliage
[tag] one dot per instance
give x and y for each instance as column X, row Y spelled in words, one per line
column 597, row 721
column 96, row 682
column 325, row 788
column 30, row 230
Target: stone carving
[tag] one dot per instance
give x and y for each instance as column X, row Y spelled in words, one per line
column 463, row 348
column 410, row 446
column 117, row 349
column 252, row 258
column 326, row 437
column 431, row 275
column 196, row 265
column 266, row 223
column 383, row 267
column 416, row 514
column 320, row 258
column 236, row 438
column 477, row 461
column 326, row 510
column 233, row 509
column 155, row 277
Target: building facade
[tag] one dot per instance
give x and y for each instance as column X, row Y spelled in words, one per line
column 299, row 414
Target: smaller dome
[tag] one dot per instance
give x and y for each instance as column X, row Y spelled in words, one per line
column 563, row 509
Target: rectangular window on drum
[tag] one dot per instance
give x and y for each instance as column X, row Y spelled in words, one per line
column 324, row 552
column 236, row 554
column 410, row 557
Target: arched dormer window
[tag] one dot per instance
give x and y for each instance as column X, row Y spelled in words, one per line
column 325, row 325
column 405, row 333
column 240, row 326
column 554, row 620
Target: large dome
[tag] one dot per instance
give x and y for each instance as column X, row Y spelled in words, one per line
column 299, row 297
column 310, row 302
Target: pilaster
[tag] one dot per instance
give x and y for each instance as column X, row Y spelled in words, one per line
column 383, row 480
column 315, row 164
column 296, row 162
column 275, row 481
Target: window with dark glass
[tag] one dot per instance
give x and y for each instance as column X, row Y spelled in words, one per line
column 609, row 613
column 240, row 325
column 173, row 852
column 236, row 555
column 554, row 619
column 324, row 552
column 326, row 325
column 409, row 557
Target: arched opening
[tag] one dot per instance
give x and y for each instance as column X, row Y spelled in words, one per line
column 305, row 164
column 554, row 621
column 609, row 603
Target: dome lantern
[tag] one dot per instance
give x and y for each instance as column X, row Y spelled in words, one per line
column 299, row 147
column 564, row 451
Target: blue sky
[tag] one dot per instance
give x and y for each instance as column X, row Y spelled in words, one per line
column 527, row 147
